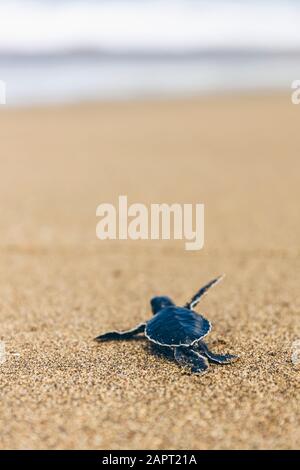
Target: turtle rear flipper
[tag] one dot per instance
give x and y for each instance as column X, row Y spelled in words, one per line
column 111, row 335
column 188, row 358
column 218, row 358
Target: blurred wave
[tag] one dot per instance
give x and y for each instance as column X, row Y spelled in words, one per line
column 148, row 27
column 53, row 50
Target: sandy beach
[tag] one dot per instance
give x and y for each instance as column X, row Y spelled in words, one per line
column 60, row 286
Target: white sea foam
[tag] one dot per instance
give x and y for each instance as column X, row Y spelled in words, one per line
column 157, row 25
column 59, row 50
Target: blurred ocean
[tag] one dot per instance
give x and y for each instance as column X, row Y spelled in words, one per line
column 70, row 50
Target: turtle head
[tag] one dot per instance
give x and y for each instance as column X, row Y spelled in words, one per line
column 158, row 303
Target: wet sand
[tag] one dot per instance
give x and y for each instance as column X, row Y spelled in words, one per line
column 60, row 286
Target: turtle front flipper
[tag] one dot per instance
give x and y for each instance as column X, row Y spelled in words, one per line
column 201, row 292
column 122, row 334
column 218, row 358
column 188, row 358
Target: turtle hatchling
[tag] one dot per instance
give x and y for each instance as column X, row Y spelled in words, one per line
column 179, row 328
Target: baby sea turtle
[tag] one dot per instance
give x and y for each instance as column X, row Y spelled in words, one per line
column 178, row 328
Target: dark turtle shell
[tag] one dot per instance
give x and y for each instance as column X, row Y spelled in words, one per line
column 175, row 326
